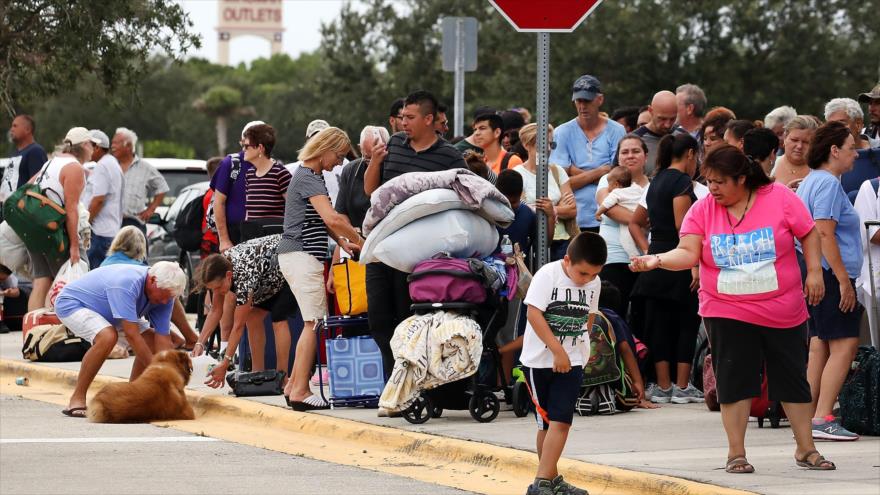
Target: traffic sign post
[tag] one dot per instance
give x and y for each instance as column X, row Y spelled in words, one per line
column 544, row 17
column 459, row 55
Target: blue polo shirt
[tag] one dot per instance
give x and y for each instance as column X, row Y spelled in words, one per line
column 573, row 148
column 823, row 194
column 115, row 292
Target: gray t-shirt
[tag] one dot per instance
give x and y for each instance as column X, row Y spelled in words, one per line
column 106, row 180
column 304, row 230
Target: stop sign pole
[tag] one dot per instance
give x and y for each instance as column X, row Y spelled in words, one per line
column 543, row 17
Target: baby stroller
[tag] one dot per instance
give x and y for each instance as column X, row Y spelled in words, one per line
column 461, row 286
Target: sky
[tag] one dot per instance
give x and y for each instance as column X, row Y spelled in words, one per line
column 302, row 22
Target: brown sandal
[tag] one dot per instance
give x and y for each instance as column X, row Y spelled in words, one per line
column 820, row 463
column 739, row 465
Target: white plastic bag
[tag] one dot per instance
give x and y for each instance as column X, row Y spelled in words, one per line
column 67, row 274
column 202, row 366
column 13, row 253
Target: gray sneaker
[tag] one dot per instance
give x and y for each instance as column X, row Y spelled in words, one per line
column 832, row 430
column 660, row 396
column 562, row 487
column 541, row 487
column 686, row 395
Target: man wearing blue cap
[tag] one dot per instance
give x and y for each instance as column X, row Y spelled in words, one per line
column 585, row 147
column 103, row 198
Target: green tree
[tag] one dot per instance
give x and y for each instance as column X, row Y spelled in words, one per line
column 46, row 46
column 222, row 102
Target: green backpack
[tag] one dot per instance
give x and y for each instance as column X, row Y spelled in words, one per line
column 38, row 221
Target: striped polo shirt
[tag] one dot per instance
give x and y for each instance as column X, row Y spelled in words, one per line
column 265, row 195
column 402, row 158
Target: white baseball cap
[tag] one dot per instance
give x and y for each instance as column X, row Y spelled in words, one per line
column 249, row 125
column 78, row 135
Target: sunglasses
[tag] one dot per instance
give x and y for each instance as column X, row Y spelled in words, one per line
column 245, row 146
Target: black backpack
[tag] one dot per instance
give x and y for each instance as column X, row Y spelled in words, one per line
column 188, row 228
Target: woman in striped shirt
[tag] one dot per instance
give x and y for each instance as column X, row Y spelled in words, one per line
column 308, row 219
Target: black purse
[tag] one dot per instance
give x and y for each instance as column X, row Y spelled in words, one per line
column 256, row 383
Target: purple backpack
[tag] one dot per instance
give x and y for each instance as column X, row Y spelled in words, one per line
column 445, row 279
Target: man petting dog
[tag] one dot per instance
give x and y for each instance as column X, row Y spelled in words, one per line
column 116, row 298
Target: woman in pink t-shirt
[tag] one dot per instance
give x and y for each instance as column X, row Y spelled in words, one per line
column 751, row 296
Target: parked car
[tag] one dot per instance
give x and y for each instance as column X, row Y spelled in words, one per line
column 160, row 235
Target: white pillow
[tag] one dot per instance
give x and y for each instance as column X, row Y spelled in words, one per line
column 460, row 233
column 431, row 202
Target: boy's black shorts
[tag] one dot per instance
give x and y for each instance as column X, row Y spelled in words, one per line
column 554, row 394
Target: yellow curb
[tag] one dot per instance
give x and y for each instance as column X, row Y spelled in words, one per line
column 468, row 465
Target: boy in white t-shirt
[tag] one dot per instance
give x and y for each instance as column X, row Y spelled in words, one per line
column 562, row 301
column 621, row 191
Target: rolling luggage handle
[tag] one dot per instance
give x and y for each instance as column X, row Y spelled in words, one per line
column 875, row 304
column 328, row 324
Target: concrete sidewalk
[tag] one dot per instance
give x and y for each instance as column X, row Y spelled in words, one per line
column 684, row 441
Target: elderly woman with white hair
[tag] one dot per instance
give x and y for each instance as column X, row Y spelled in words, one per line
column 63, row 179
column 118, row 298
column 791, row 168
column 351, row 200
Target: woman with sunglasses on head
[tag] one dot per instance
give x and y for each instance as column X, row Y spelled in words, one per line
column 751, row 297
column 560, row 202
column 309, row 218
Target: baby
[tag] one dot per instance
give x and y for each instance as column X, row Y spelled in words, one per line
column 622, row 191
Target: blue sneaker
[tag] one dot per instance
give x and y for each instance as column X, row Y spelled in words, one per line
column 831, row 429
column 661, row 396
column 686, row 395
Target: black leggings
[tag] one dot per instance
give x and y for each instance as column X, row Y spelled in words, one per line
column 673, row 328
column 388, row 304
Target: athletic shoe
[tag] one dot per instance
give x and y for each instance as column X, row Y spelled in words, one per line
column 660, row 396
column 325, row 376
column 686, row 395
column 562, row 487
column 831, row 429
column 541, row 487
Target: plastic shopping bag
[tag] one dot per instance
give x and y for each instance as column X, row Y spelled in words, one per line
column 67, row 274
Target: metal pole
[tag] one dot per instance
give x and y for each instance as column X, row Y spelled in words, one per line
column 458, row 128
column 543, row 246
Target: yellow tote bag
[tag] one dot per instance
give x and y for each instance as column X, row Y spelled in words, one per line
column 350, row 282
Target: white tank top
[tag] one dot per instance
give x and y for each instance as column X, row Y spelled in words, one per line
column 49, row 178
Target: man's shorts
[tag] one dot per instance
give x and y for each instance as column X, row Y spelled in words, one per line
column 305, row 276
column 554, row 394
column 86, row 324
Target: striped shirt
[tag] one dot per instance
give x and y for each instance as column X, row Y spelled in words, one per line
column 304, row 230
column 265, row 195
column 402, row 158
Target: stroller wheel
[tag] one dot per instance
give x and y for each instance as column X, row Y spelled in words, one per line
column 436, row 411
column 521, row 399
column 484, row 407
column 419, row 411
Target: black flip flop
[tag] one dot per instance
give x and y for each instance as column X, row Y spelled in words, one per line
column 302, row 406
column 73, row 412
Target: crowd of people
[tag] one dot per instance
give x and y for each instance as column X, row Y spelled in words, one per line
column 747, row 227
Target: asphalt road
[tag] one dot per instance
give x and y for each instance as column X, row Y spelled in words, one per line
column 44, row 452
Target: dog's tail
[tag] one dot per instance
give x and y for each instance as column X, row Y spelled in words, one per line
column 97, row 411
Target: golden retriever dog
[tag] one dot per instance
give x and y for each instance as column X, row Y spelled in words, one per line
column 158, row 394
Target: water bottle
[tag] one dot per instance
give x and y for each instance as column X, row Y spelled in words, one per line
column 506, row 246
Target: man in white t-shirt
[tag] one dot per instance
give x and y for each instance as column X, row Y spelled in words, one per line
column 562, row 301
column 104, row 203
column 867, row 205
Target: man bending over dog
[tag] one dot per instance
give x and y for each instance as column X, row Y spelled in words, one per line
column 116, row 298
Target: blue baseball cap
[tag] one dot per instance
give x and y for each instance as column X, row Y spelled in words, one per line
column 586, row 87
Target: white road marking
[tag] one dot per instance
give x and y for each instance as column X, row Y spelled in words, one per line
column 109, row 440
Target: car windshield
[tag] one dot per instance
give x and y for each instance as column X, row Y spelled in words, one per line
column 179, row 179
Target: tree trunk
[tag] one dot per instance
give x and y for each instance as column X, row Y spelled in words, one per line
column 222, row 127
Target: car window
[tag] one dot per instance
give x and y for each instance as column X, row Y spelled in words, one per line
column 179, row 179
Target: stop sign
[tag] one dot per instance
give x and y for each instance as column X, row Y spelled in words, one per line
column 561, row 16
